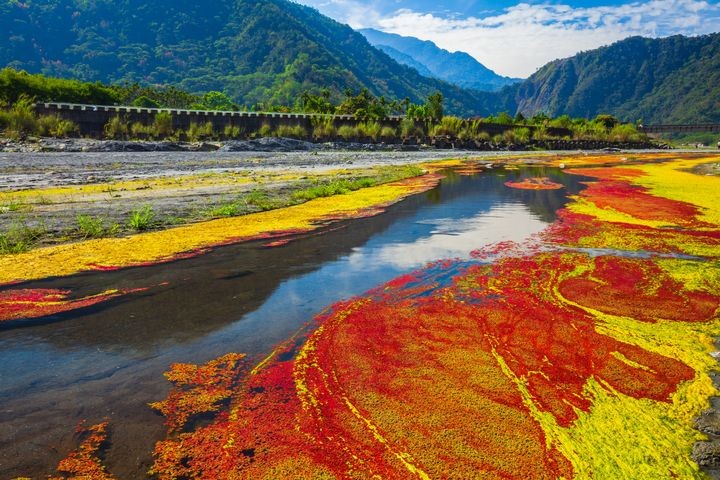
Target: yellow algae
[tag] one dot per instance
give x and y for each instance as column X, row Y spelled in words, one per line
column 582, row 206
column 162, row 245
column 105, row 188
column 673, row 180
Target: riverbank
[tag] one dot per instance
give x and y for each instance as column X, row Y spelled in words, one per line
column 53, row 198
column 281, row 144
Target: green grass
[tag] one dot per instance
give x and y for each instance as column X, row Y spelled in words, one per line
column 15, row 207
column 89, row 227
column 19, row 238
column 334, row 187
column 226, row 210
column 141, row 218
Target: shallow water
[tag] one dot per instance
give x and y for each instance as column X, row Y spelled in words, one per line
column 107, row 361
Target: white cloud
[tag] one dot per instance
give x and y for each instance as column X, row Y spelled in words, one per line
column 524, row 37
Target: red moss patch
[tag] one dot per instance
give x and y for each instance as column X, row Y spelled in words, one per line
column 84, row 463
column 17, row 304
column 535, row 183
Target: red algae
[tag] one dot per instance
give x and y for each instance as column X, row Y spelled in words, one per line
column 639, row 289
column 535, row 183
column 497, row 373
column 84, row 463
column 19, row 304
column 198, row 390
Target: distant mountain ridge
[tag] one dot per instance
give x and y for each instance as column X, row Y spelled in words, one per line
column 458, row 68
column 270, row 51
column 667, row 80
column 254, row 50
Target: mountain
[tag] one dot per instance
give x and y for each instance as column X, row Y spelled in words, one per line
column 668, row 80
column 254, row 50
column 458, row 68
column 404, row 59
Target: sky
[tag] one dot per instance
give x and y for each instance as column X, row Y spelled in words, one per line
column 515, row 39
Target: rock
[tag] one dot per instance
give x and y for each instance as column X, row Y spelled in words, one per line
column 268, row 144
column 707, row 454
column 709, row 422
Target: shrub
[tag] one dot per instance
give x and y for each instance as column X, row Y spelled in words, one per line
column 141, row 218
column 197, row 132
column 522, row 135
column 116, row 128
column 162, row 125
column 625, row 132
column 388, row 132
column 449, row 126
column 471, row 130
column 323, row 127
column 540, row 133
column 497, row 139
column 139, row 130
column 409, row 128
column 483, row 136
column 265, row 130
column 294, row 131
column 232, row 131
column 369, row 129
column 509, row 136
column 347, row 132
column 21, row 118
column 53, row 125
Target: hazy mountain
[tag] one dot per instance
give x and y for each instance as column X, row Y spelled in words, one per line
column 404, row 59
column 256, row 51
column 458, row 68
column 674, row 79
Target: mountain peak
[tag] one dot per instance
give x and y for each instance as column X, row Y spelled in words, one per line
column 458, row 68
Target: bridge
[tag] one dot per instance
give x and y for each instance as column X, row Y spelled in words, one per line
column 681, row 128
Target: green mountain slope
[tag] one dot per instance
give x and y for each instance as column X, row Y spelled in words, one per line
column 458, row 68
column 668, row 80
column 256, row 51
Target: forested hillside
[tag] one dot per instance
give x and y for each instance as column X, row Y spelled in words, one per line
column 265, row 51
column 674, row 79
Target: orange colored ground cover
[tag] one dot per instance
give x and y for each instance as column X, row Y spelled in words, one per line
column 19, row 304
column 479, row 369
column 534, row 183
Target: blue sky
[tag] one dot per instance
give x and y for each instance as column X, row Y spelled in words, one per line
column 515, row 39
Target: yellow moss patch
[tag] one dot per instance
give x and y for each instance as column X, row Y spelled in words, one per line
column 157, row 246
column 53, row 194
column 582, row 206
column 674, row 181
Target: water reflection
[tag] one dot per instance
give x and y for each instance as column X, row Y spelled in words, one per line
column 108, row 360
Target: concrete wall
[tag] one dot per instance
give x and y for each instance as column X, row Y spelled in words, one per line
column 91, row 119
column 685, row 128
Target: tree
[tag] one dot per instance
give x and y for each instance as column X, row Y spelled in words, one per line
column 434, row 106
column 608, row 121
column 145, row 102
column 310, row 103
column 364, row 106
column 214, row 100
